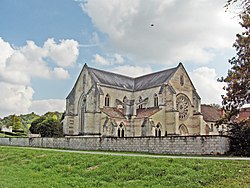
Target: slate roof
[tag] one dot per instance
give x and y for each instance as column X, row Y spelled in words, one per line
column 154, row 79
column 129, row 83
column 112, row 79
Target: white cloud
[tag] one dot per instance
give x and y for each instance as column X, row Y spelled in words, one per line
column 61, row 73
column 5, row 53
column 43, row 106
column 14, row 99
column 19, row 68
column 98, row 59
column 205, row 81
column 19, row 65
column 183, row 30
column 133, row 71
column 65, row 53
column 108, row 60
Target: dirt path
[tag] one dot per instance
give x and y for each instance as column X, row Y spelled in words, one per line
column 137, row 155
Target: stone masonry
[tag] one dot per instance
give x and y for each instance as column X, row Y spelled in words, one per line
column 191, row 145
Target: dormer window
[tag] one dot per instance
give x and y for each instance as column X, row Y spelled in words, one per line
column 107, row 100
column 155, row 100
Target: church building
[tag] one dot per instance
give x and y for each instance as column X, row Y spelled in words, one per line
column 107, row 104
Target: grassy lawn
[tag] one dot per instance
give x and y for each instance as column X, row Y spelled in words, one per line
column 20, row 167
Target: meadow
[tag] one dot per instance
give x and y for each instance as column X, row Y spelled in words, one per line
column 24, row 168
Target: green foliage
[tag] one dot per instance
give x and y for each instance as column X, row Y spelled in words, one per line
column 48, row 125
column 21, row 167
column 238, row 84
column 15, row 122
column 21, row 122
column 238, row 77
column 240, row 133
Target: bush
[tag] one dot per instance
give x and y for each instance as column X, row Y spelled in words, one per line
column 47, row 125
column 240, row 138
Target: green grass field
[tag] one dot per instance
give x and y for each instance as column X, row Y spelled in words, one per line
column 22, row 167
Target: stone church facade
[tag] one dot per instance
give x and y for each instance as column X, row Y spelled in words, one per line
column 106, row 104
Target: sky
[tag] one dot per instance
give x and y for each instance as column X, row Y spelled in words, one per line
column 45, row 43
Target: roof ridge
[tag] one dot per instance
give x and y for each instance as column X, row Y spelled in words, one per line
column 156, row 72
column 111, row 72
column 134, row 78
column 133, row 83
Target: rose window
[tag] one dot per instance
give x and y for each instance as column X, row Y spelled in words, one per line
column 182, row 104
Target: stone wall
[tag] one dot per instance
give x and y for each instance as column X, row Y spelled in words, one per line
column 194, row 145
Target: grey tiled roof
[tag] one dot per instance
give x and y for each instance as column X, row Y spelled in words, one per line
column 154, row 79
column 129, row 83
column 112, row 79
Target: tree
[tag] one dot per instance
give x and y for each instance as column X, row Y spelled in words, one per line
column 242, row 5
column 238, row 77
column 48, row 125
column 15, row 122
column 238, row 85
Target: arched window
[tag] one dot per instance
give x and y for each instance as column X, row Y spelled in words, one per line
column 107, row 99
column 121, row 131
column 183, row 130
column 124, row 101
column 158, row 130
column 140, row 100
column 155, row 100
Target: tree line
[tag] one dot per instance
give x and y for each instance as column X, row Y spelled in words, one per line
column 47, row 125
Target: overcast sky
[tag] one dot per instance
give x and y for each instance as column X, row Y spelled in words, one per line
column 44, row 44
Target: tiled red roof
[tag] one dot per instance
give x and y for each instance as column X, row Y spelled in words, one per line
column 210, row 113
column 244, row 114
column 147, row 112
column 113, row 112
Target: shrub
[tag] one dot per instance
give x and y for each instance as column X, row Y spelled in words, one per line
column 240, row 138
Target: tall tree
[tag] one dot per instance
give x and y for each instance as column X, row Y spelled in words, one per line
column 238, row 84
column 238, row 77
